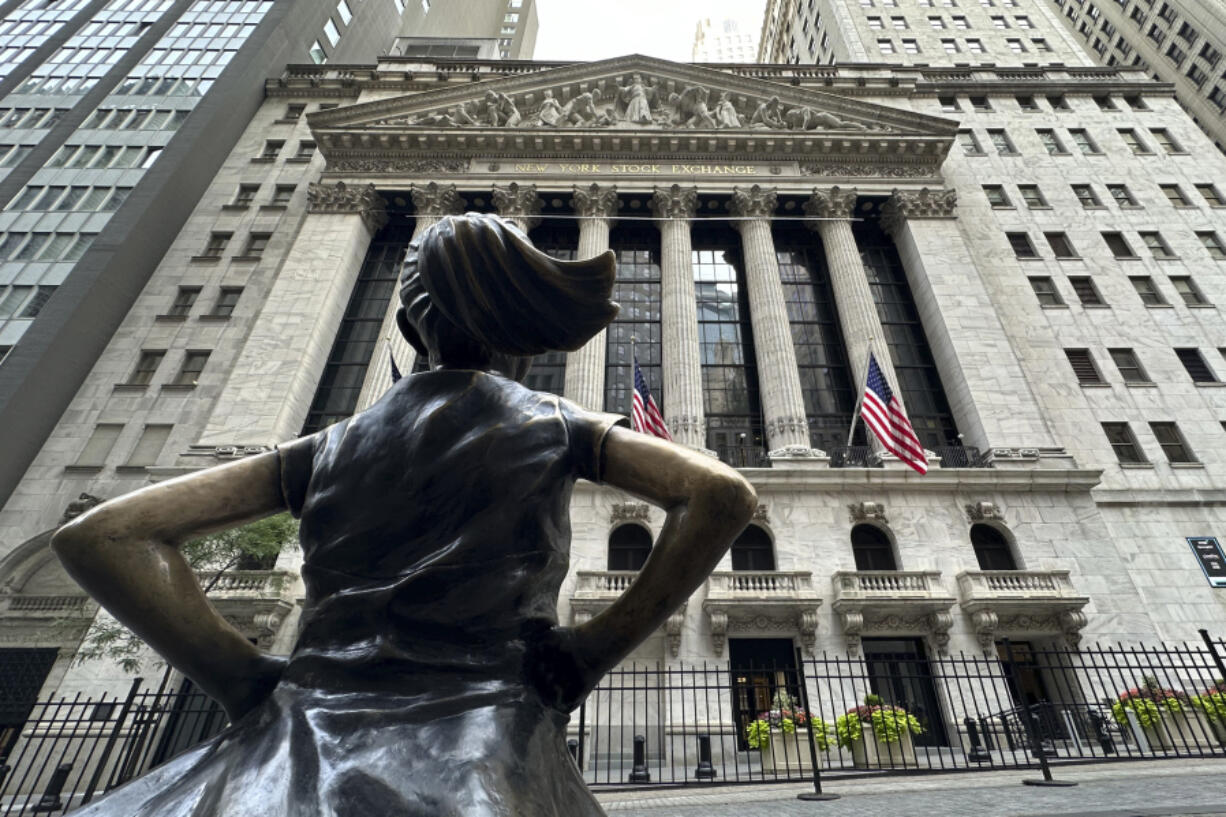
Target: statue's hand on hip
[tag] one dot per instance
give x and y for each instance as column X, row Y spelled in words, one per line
column 252, row 687
column 558, row 667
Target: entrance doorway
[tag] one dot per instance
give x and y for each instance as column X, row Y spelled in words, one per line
column 761, row 667
column 899, row 672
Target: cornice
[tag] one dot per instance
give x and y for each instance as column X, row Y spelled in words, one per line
column 1063, row 480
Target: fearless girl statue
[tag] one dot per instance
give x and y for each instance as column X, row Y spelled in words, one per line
column 431, row 677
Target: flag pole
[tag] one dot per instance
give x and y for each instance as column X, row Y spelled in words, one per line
column 632, row 384
column 855, row 416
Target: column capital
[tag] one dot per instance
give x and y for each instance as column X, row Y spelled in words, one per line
column 519, row 202
column 675, row 202
column 436, row 199
column 905, row 205
column 756, row 202
column 595, row 201
column 340, row 198
column 836, row 202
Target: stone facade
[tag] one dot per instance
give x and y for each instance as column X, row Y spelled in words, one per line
column 1098, row 544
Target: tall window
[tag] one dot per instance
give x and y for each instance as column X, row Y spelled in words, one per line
column 336, row 397
column 559, row 238
column 820, row 355
column 992, row 548
column 725, row 340
column 919, row 382
column 637, row 289
column 752, row 550
column 629, row 547
column 872, row 549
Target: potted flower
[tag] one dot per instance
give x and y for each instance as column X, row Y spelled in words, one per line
column 1212, row 704
column 1166, row 716
column 781, row 735
column 879, row 735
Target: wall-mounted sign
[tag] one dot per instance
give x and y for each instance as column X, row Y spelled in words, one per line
column 1212, row 560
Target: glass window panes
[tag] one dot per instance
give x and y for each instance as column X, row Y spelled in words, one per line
column 996, row 195
column 1148, row 292
column 1175, row 195
column 330, row 32
column 1045, row 290
column 1187, row 289
column 150, row 444
column 146, row 366
column 184, row 299
column 1060, row 245
column 1195, row 365
column 189, row 370
column 1123, row 443
column 1209, row 240
column 1118, row 245
column 1032, row 195
column 1087, row 293
column 1128, row 365
column 1086, row 195
column 99, row 445
column 1022, row 248
column 1172, row 442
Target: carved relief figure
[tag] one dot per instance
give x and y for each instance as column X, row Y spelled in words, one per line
column 768, row 114
column 550, row 110
column 804, row 118
column 692, row 111
column 464, row 115
column 500, row 111
column 582, row 111
column 633, row 102
column 725, row 113
column 430, row 675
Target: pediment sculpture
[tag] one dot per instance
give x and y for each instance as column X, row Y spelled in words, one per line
column 635, row 103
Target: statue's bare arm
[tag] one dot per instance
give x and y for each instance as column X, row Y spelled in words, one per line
column 125, row 553
column 707, row 503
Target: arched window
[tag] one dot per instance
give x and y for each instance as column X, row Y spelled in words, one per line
column 629, row 547
column 872, row 548
column 992, row 548
column 752, row 550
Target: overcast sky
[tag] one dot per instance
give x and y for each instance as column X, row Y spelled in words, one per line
column 599, row 29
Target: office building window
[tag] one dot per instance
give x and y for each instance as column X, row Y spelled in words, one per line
column 1195, row 365
column 1213, row 245
column 185, row 298
column 1175, row 195
column 1133, row 141
column 189, row 371
column 1147, row 290
column 1083, row 142
column 146, row 366
column 1002, row 143
column 256, row 244
column 1086, row 195
column 245, row 195
column 1157, row 245
column 1060, row 245
column 318, row 55
column 970, row 143
column 1128, row 365
column 272, row 149
column 996, row 195
column 147, row 449
column 99, row 445
column 1033, row 196
column 1045, row 290
column 294, row 112
column 216, row 246
column 1118, row 245
column 1022, row 248
column 1122, row 195
column 1187, row 289
column 227, row 299
column 282, row 194
column 1123, row 443
column 1050, row 141
column 1027, row 103
column 1083, row 366
column 1174, row 446
column 1165, row 141
column 1211, row 195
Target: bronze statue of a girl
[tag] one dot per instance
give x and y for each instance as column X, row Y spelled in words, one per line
column 431, row 678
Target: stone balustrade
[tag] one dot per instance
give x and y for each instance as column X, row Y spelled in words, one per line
column 744, row 601
column 45, row 606
column 245, row 583
column 1013, row 585
column 889, row 583
column 891, row 603
column 1022, row 603
column 746, row 584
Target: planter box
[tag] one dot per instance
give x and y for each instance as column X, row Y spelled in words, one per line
column 870, row 753
column 1180, row 730
column 788, row 754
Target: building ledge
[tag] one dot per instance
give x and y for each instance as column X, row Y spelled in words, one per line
column 1022, row 602
column 892, row 602
column 743, row 601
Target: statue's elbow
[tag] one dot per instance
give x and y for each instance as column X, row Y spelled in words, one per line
column 735, row 498
column 71, row 542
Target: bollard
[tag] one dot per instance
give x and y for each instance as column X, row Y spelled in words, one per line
column 572, row 746
column 50, row 801
column 985, row 731
column 639, row 773
column 1100, row 733
column 977, row 754
column 1004, row 722
column 705, row 770
column 1043, row 747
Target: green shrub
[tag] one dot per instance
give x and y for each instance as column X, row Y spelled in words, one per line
column 889, row 723
column 758, row 733
column 1213, row 704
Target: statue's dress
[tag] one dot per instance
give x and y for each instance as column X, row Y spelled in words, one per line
column 435, row 535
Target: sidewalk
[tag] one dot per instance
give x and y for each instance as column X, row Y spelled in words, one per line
column 1141, row 789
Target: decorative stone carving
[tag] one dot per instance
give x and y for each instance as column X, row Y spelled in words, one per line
column 634, row 101
column 550, row 111
column 519, row 203
column 761, row 514
column 691, row 108
column 837, row 202
column 768, row 114
column 904, row 206
column 756, row 202
column 940, row 623
column 870, row 169
column 985, row 622
column 500, row 111
column 719, row 630
column 79, row 506
column 436, row 199
column 675, row 202
column 868, row 512
column 807, row 621
column 416, row 166
column 983, row 511
column 687, row 427
column 726, row 115
column 804, row 118
column 673, row 628
column 342, row 199
column 853, row 626
column 582, row 111
column 595, row 201
column 629, row 512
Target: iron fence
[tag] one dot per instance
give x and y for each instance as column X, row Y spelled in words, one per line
column 889, row 708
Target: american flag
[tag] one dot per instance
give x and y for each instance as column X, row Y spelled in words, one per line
column 883, row 413
column 644, row 413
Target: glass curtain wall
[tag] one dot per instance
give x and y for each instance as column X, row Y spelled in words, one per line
column 637, row 245
column 817, row 337
column 559, row 238
column 725, row 339
column 908, row 345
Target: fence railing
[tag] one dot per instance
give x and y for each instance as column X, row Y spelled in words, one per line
column 893, row 708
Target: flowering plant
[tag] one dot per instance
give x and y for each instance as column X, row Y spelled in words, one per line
column 1213, row 701
column 784, row 716
column 1148, row 702
column 889, row 723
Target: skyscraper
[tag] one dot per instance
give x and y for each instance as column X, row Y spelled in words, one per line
column 1177, row 41
column 725, row 40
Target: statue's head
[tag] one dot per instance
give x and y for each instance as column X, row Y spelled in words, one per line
column 476, row 294
column 548, row 94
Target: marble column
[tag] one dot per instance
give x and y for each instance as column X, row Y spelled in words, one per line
column 681, row 362
column 852, row 295
column 432, row 202
column 982, row 360
column 518, row 204
column 269, row 392
column 783, row 405
column 596, row 206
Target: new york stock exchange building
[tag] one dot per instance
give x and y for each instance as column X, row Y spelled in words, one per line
column 773, row 226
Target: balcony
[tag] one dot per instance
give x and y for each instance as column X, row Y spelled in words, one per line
column 771, row 601
column 892, row 602
column 1021, row 602
column 254, row 601
column 51, row 607
column 946, row 456
column 743, row 456
column 597, row 589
